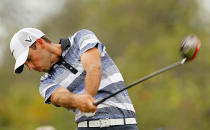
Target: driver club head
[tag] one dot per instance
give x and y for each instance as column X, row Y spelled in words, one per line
column 190, row 46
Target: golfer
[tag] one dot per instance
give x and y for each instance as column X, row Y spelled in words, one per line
column 78, row 73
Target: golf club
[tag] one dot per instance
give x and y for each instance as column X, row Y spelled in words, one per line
column 189, row 48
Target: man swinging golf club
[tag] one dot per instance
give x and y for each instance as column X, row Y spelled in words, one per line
column 78, row 72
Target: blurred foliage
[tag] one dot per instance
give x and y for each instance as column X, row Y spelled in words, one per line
column 141, row 36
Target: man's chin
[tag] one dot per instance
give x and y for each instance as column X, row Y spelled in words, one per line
column 45, row 70
column 42, row 70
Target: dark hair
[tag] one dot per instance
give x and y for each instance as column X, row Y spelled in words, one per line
column 33, row 46
column 46, row 39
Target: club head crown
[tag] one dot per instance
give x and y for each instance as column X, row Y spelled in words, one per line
column 190, row 46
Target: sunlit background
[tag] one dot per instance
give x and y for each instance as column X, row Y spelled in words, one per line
column 140, row 35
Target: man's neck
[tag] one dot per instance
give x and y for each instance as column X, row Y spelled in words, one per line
column 56, row 52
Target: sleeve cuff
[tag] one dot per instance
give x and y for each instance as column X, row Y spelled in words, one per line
column 49, row 92
column 100, row 46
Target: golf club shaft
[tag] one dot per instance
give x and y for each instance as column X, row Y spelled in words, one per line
column 143, row 79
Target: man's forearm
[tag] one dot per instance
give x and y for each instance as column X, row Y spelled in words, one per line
column 92, row 81
column 91, row 61
column 62, row 97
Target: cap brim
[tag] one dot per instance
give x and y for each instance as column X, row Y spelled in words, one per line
column 19, row 65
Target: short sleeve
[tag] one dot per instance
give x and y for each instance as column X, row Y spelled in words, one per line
column 47, row 87
column 86, row 40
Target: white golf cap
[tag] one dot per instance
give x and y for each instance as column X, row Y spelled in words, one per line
column 20, row 43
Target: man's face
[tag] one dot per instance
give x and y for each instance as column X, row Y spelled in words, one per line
column 39, row 59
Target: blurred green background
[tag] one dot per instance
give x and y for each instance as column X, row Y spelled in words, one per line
column 142, row 36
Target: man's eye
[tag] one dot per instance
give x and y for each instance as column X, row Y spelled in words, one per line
column 28, row 59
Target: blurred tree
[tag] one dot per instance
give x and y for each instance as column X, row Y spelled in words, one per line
column 141, row 36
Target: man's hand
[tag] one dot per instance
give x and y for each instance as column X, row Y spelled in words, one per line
column 85, row 102
column 63, row 97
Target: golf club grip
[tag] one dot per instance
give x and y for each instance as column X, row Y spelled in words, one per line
column 143, row 79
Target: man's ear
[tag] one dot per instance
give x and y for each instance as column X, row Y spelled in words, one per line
column 40, row 42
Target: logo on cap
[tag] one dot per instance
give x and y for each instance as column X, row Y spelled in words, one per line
column 29, row 39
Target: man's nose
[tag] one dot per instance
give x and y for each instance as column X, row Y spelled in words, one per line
column 30, row 65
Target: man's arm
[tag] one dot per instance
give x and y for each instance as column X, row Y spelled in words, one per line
column 63, row 97
column 91, row 61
